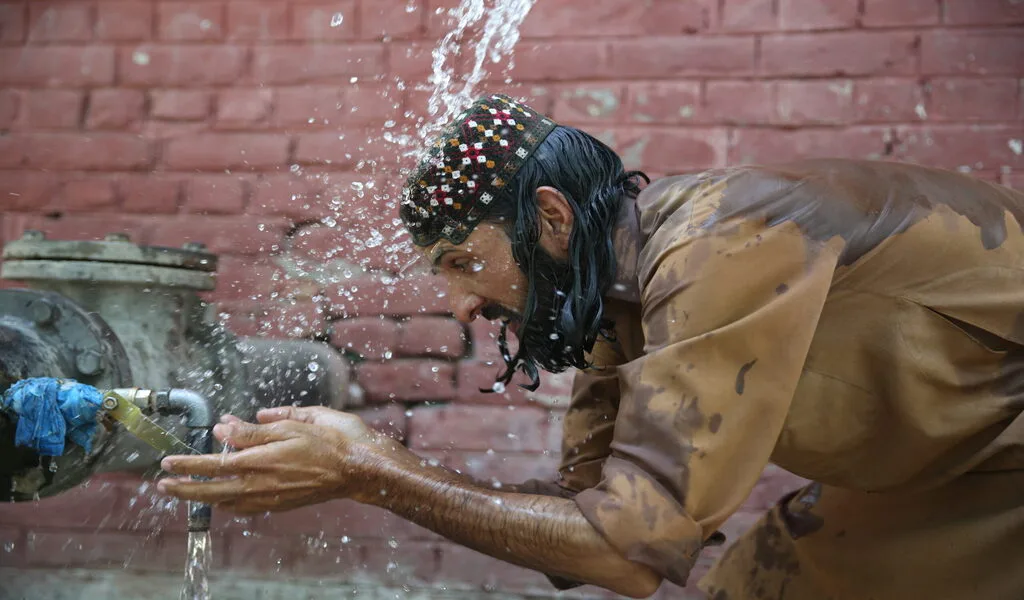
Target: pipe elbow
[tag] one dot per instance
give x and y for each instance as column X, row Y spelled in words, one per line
column 197, row 409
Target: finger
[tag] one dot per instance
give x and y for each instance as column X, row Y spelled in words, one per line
column 246, row 435
column 228, row 419
column 286, row 413
column 210, row 492
column 206, row 465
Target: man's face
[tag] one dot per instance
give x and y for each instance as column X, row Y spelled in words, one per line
column 483, row 277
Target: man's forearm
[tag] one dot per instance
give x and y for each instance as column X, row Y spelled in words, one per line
column 544, row 533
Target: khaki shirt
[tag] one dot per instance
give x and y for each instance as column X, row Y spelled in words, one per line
column 858, row 323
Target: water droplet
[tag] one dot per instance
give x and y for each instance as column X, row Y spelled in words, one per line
column 337, row 20
column 392, row 543
column 498, row 387
column 313, row 366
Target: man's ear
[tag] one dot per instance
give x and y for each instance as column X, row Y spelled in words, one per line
column 556, row 221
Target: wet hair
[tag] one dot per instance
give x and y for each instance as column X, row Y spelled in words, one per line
column 563, row 317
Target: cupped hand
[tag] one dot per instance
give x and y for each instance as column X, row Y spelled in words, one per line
column 292, row 457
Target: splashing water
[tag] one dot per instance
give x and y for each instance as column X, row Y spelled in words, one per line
column 499, row 35
column 197, row 567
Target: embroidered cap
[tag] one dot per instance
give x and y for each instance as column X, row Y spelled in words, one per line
column 470, row 164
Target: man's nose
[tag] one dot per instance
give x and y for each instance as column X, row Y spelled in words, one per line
column 466, row 306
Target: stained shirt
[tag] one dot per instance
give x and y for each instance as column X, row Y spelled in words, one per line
column 859, row 323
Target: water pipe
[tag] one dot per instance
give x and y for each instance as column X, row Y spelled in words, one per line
column 199, row 419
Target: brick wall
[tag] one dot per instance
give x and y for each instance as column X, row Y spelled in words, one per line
column 261, row 127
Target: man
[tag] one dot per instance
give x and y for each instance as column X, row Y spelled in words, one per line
column 858, row 323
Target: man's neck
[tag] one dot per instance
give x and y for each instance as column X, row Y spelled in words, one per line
column 626, row 241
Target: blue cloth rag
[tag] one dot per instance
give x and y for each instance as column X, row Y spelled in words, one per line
column 51, row 410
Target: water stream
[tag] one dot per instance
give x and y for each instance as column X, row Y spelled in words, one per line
column 197, row 567
column 487, row 28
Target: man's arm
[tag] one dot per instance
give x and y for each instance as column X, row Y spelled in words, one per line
column 297, row 456
column 544, row 533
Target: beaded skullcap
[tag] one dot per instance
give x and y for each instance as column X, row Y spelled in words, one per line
column 470, row 163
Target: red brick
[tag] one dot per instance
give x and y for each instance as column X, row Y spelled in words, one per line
column 149, row 193
column 241, row 108
column 663, row 102
column 817, row 14
column 183, row 105
column 603, row 18
column 274, row 318
column 85, row 226
column 559, row 60
column 427, row 295
column 884, row 13
column 51, row 109
column 124, row 21
column 195, row 65
column 10, row 103
column 390, row 20
column 316, row 63
column 772, row 146
column 237, row 234
column 257, row 20
column 983, row 12
column 389, row 419
column 245, row 277
column 97, row 151
column 431, row 336
column 683, row 56
column 215, row 193
column 588, row 103
column 320, row 243
column 414, row 60
column 953, row 146
column 300, row 197
column 59, row 21
column 739, row 102
column 12, row 151
column 84, row 195
column 115, row 109
column 814, row 102
column 339, row 518
column 888, row 101
column 191, row 21
column 13, row 16
column 482, row 428
column 501, row 468
column 327, row 148
column 215, row 152
column 324, row 21
column 749, row 15
column 672, row 150
column 972, row 99
column 373, row 338
column 319, row 107
column 407, row 380
column 27, row 190
column 838, row 54
column 54, row 66
column 976, row 52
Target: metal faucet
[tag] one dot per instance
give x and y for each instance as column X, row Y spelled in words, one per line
column 127, row 405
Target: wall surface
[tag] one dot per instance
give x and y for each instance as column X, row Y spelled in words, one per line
column 261, row 128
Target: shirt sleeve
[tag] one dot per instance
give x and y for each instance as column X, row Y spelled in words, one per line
column 729, row 312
